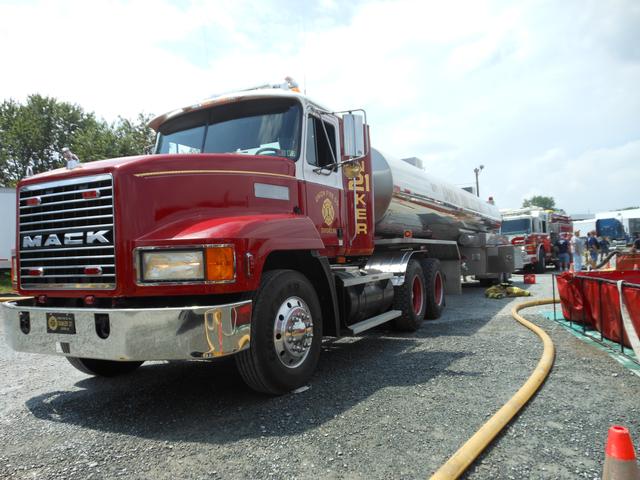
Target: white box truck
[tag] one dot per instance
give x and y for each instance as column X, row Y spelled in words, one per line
column 8, row 225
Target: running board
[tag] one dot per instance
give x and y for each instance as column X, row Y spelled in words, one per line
column 370, row 278
column 356, row 328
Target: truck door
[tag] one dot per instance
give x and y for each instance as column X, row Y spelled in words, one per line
column 323, row 186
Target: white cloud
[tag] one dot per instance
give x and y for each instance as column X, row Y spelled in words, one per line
column 599, row 179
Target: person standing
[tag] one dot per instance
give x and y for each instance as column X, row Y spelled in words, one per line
column 563, row 253
column 636, row 243
column 604, row 248
column 592, row 248
column 577, row 250
column 70, row 157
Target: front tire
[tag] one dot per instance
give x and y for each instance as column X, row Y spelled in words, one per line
column 103, row 368
column 541, row 266
column 286, row 334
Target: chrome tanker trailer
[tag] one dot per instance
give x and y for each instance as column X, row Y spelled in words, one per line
column 411, row 203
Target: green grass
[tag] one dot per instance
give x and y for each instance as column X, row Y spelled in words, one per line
column 5, row 282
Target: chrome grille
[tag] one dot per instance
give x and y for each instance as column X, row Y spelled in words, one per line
column 67, row 238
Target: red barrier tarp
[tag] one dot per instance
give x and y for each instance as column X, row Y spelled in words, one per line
column 586, row 299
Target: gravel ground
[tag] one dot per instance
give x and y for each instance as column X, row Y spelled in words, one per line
column 380, row 406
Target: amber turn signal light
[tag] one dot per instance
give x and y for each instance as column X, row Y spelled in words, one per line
column 221, row 264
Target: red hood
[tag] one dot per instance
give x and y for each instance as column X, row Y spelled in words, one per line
column 89, row 168
column 169, row 163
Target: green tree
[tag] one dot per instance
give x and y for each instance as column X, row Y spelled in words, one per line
column 33, row 134
column 122, row 138
column 135, row 137
column 548, row 203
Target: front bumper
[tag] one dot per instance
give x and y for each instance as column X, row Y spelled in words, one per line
column 134, row 334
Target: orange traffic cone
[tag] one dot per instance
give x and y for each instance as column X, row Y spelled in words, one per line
column 620, row 457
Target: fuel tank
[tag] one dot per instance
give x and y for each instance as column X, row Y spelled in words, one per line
column 409, row 199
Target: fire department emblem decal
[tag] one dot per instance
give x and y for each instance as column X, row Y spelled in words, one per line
column 328, row 213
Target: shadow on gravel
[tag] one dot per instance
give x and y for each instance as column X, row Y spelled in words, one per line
column 207, row 402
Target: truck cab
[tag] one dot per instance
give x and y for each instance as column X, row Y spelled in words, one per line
column 535, row 231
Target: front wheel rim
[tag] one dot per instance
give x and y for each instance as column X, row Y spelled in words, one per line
column 293, row 332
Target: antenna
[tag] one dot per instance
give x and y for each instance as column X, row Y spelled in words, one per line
column 304, row 56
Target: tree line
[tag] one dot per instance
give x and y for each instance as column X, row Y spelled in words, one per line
column 33, row 133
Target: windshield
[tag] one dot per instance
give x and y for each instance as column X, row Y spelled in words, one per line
column 519, row 225
column 251, row 127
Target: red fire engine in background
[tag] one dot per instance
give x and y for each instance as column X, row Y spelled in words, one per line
column 535, row 231
column 262, row 223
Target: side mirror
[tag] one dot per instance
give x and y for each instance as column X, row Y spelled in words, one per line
column 353, row 135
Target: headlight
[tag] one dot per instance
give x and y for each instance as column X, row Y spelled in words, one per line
column 212, row 263
column 171, row 265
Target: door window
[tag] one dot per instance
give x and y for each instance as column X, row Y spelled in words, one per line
column 321, row 143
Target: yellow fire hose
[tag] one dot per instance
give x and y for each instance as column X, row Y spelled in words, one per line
column 465, row 456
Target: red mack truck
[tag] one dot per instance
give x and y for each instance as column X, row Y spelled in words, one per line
column 262, row 223
column 535, row 231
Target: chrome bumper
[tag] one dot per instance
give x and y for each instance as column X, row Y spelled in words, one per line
column 134, row 334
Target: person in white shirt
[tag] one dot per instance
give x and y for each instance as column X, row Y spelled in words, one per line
column 577, row 250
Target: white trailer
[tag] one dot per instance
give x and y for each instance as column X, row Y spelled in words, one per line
column 8, row 227
column 585, row 226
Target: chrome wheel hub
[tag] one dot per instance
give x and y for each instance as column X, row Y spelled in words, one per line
column 293, row 332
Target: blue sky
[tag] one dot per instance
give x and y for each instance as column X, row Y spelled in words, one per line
column 544, row 94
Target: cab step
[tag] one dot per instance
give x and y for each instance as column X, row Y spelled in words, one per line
column 359, row 327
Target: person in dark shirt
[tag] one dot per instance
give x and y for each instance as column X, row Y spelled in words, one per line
column 636, row 243
column 592, row 248
column 563, row 253
column 604, row 247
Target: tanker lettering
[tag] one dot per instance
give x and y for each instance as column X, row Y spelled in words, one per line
column 362, row 183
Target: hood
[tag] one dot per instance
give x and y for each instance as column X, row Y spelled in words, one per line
column 83, row 169
column 167, row 163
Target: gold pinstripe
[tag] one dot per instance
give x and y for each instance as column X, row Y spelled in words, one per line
column 187, row 172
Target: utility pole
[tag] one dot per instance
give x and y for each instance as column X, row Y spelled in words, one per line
column 477, row 171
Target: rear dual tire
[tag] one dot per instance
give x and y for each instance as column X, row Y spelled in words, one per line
column 435, row 288
column 421, row 296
